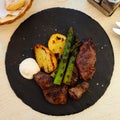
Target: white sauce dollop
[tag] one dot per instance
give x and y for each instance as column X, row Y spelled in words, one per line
column 28, row 68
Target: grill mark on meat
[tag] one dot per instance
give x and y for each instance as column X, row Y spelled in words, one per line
column 56, row 94
column 53, row 94
column 77, row 91
column 43, row 80
column 86, row 59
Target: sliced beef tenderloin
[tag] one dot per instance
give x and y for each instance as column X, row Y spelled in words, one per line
column 86, row 60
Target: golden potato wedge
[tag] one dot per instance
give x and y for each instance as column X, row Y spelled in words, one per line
column 13, row 5
column 45, row 58
column 56, row 43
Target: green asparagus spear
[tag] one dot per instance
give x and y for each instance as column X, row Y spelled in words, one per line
column 63, row 62
column 76, row 45
column 71, row 64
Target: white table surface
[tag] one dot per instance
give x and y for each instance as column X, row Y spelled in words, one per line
column 106, row 108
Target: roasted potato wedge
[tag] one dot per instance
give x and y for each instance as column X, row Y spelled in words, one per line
column 13, row 5
column 45, row 58
column 56, row 43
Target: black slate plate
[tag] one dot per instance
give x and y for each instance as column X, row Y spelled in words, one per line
column 37, row 29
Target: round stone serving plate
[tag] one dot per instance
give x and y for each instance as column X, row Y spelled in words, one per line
column 37, row 29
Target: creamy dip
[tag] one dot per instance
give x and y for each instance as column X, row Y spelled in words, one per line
column 28, row 68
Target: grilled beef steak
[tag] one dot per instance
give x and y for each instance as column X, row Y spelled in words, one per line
column 53, row 94
column 56, row 94
column 44, row 80
column 86, row 59
column 77, row 91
